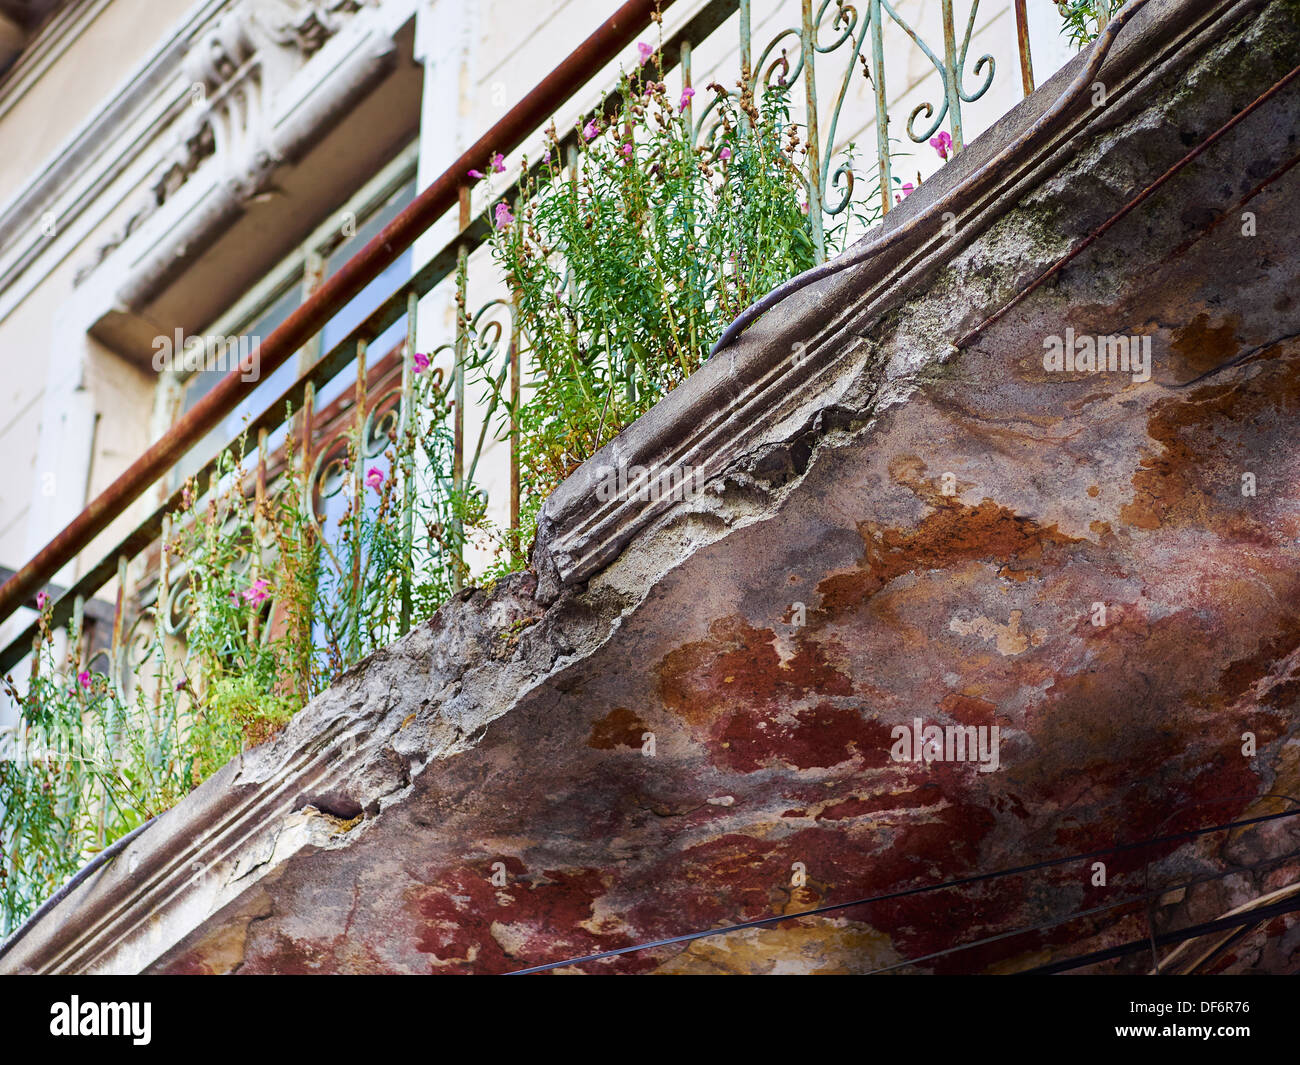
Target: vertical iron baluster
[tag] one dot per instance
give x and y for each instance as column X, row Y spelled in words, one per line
column 406, row 453
column 951, row 76
column 115, row 679
column 515, row 546
column 161, row 612
column 119, row 612
column 74, row 633
column 458, row 383
column 313, row 274
column 747, row 79
column 358, row 504
column 259, row 502
column 308, row 432
column 303, row 634
column 572, row 282
column 882, row 104
column 807, row 42
column 746, row 44
column 1022, row 41
column 689, row 110
column 260, row 486
column 78, row 624
column 164, row 574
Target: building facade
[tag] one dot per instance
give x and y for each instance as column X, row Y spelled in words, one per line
column 178, row 170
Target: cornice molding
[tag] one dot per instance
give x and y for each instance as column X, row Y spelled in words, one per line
column 110, row 140
column 255, row 129
column 217, row 89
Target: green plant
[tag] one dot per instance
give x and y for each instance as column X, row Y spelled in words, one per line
column 98, row 753
column 85, row 766
column 629, row 258
column 1083, row 20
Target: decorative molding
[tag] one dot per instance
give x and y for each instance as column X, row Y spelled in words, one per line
column 309, row 28
column 285, row 126
column 157, row 100
column 180, row 163
column 236, row 68
column 110, row 141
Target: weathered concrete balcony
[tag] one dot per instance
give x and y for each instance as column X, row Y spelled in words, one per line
column 713, row 710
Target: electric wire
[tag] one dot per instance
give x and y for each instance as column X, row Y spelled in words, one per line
column 907, row 892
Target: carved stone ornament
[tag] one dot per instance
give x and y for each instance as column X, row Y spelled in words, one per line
column 234, row 68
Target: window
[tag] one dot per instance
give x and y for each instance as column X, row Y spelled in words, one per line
column 284, row 289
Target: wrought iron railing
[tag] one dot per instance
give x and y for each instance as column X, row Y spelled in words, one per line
column 851, row 35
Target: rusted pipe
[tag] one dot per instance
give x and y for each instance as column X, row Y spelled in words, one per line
column 520, row 122
column 1022, row 43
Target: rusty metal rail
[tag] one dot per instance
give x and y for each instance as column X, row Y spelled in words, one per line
column 615, row 34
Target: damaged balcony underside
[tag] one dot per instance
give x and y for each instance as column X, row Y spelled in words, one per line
column 477, row 797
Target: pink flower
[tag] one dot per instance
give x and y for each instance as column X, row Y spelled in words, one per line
column 83, row 678
column 942, row 144
column 589, row 131
column 645, row 51
column 627, row 149
column 256, row 592
column 375, row 477
column 421, row 361
column 41, row 600
column 477, row 175
column 725, row 154
column 503, row 215
column 685, row 102
column 907, row 190
column 498, row 163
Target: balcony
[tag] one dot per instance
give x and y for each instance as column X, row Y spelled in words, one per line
column 408, row 495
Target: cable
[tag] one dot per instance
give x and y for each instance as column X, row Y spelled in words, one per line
column 958, row 882
column 1081, row 84
column 1264, row 913
column 1133, row 203
column 1053, row 922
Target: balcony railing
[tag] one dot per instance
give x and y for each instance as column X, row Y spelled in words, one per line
column 833, row 42
column 308, row 453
